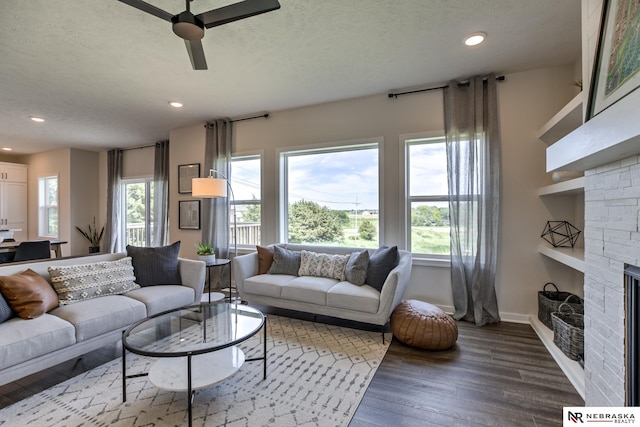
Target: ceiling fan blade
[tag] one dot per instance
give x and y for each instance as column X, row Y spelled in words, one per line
column 196, row 54
column 146, row 7
column 237, row 11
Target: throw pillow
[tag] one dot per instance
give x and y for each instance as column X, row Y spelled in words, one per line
column 381, row 262
column 75, row 283
column 265, row 258
column 28, row 294
column 285, row 261
column 322, row 265
column 155, row 265
column 356, row 269
column 5, row 310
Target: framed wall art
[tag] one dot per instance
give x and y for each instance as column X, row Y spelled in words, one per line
column 185, row 174
column 189, row 215
column 617, row 61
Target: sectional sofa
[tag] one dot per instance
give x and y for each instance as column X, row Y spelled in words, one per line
column 329, row 296
column 77, row 327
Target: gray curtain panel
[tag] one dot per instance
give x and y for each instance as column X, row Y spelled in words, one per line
column 113, row 233
column 160, row 194
column 215, row 212
column 473, row 167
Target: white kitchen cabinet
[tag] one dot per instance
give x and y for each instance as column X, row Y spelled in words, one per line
column 13, row 199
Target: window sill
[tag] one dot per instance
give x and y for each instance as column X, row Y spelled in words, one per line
column 419, row 261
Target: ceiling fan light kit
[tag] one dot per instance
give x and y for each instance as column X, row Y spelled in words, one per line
column 191, row 27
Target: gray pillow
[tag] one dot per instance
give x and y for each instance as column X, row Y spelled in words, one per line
column 381, row 263
column 356, row 270
column 155, row 265
column 285, row 261
column 5, row 311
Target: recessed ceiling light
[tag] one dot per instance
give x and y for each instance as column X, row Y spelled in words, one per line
column 175, row 104
column 7, row 148
column 475, row 39
column 37, row 119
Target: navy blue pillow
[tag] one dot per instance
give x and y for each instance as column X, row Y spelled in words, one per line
column 155, row 265
column 381, row 262
column 5, row 311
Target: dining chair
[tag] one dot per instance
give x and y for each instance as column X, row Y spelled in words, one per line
column 27, row 251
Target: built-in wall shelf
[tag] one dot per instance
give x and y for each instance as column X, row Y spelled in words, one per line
column 572, row 257
column 565, row 188
column 571, row 368
column 565, row 121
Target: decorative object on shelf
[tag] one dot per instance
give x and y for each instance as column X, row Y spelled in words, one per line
column 92, row 235
column 565, row 176
column 185, row 174
column 549, row 301
column 205, row 252
column 561, row 234
column 568, row 331
column 615, row 71
column 189, row 213
column 211, row 188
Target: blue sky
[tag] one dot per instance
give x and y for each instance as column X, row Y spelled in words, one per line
column 341, row 179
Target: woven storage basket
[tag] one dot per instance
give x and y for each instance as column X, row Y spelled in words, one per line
column 568, row 331
column 549, row 301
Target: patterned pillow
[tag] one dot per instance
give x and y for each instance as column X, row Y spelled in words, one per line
column 322, row 265
column 5, row 311
column 75, row 283
column 356, row 269
column 285, row 261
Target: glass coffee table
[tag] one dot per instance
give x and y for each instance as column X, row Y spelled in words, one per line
column 195, row 346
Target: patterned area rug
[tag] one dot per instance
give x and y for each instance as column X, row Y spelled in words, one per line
column 316, row 376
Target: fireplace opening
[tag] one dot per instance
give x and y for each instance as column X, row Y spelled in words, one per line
column 632, row 319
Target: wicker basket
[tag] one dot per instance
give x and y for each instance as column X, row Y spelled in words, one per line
column 549, row 301
column 568, row 331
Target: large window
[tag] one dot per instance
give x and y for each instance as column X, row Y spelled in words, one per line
column 245, row 181
column 427, row 196
column 48, row 206
column 330, row 195
column 138, row 214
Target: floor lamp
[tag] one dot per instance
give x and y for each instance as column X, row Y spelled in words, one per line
column 212, row 188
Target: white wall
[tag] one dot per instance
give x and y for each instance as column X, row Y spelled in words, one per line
column 84, row 198
column 526, row 101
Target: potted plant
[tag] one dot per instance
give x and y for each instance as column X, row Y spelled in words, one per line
column 205, row 252
column 92, row 235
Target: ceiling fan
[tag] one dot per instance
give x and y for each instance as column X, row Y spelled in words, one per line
column 191, row 27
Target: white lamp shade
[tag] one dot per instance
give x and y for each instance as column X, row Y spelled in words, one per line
column 209, row 187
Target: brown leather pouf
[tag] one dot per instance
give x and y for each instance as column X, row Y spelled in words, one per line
column 420, row 324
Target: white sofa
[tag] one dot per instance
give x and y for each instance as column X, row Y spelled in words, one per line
column 69, row 331
column 321, row 295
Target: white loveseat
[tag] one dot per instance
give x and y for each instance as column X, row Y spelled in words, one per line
column 68, row 331
column 322, row 295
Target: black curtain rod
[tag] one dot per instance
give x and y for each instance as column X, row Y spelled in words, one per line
column 397, row 94
column 265, row 115
column 138, row 147
column 261, row 116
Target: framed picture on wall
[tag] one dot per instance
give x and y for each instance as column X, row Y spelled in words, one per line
column 189, row 213
column 616, row 69
column 185, row 174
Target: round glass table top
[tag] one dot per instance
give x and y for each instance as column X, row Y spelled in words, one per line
column 193, row 330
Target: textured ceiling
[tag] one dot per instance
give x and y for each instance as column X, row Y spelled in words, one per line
column 102, row 72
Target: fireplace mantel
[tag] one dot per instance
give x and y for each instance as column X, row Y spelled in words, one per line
column 612, row 135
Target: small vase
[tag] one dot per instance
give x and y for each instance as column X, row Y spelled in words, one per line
column 94, row 249
column 208, row 259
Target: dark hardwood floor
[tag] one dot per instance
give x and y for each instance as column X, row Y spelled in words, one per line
column 496, row 375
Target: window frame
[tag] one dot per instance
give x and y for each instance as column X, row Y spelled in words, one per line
column 407, row 140
column 147, row 204
column 44, row 206
column 243, row 202
column 282, row 153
